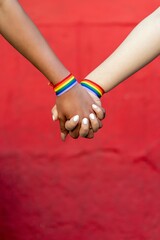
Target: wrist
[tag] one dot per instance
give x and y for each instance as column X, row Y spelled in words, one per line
column 64, row 85
column 93, row 87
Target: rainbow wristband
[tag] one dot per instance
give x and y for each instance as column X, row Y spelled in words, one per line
column 63, row 86
column 93, row 87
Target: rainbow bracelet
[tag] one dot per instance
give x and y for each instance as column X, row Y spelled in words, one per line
column 63, row 86
column 93, row 87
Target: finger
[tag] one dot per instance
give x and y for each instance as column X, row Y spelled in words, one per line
column 75, row 133
column 74, row 127
column 72, row 123
column 84, row 130
column 54, row 113
column 94, row 122
column 63, row 136
column 90, row 134
column 100, row 112
column 100, row 124
column 64, row 132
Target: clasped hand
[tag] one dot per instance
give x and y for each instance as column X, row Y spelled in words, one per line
column 79, row 113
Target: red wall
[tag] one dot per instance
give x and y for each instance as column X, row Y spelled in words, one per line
column 107, row 188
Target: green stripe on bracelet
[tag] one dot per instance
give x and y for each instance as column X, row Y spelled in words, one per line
column 93, row 87
column 64, row 85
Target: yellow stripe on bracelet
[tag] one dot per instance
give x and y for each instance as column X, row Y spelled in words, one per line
column 93, row 87
column 64, row 82
column 64, row 85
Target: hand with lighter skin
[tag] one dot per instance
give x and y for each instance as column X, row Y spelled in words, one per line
column 140, row 47
column 19, row 30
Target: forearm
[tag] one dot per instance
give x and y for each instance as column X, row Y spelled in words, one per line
column 140, row 47
column 18, row 29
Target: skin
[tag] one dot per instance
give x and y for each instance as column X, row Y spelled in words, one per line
column 140, row 47
column 66, row 111
column 32, row 45
column 84, row 130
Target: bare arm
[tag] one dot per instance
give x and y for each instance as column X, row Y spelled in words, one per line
column 140, row 47
column 21, row 32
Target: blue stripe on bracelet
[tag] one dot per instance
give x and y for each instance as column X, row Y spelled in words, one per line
column 65, row 85
column 93, row 87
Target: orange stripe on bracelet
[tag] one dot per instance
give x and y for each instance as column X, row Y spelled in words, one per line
column 64, row 85
column 93, row 87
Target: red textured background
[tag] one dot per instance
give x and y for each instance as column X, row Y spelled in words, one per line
column 107, row 188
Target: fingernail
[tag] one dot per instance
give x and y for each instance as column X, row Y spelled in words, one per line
column 94, row 106
column 85, row 121
column 63, row 136
column 92, row 116
column 53, row 118
column 76, row 118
